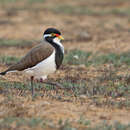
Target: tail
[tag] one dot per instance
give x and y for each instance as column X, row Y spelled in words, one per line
column 3, row 73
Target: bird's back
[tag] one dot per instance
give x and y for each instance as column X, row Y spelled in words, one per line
column 33, row 57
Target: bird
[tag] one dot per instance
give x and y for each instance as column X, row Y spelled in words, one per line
column 43, row 59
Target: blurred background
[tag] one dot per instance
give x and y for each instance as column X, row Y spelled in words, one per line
column 95, row 72
column 86, row 24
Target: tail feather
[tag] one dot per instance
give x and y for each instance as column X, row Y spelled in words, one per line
column 3, row 73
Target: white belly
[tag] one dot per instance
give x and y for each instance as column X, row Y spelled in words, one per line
column 42, row 69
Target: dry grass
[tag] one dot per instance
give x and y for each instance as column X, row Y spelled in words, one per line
column 95, row 74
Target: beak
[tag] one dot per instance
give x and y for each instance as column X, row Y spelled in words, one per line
column 60, row 37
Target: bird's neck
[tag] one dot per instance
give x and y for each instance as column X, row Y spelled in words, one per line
column 59, row 55
column 55, row 42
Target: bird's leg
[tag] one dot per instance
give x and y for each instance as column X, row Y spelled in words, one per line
column 32, row 85
column 57, row 85
column 54, row 83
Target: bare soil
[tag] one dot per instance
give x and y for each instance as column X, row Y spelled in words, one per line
column 85, row 32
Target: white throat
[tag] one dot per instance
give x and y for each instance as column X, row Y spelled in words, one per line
column 57, row 41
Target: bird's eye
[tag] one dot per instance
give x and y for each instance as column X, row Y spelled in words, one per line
column 53, row 34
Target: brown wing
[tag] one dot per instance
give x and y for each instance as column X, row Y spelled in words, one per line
column 33, row 57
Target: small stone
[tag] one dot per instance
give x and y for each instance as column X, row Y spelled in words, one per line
column 44, row 103
column 76, row 57
column 84, row 36
column 82, row 66
column 83, row 96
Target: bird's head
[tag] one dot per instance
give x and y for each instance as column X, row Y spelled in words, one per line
column 52, row 35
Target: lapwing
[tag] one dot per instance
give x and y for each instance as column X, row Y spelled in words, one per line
column 42, row 60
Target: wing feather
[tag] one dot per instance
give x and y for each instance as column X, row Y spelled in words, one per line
column 33, row 57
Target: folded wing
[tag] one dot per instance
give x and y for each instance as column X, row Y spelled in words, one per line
column 33, row 57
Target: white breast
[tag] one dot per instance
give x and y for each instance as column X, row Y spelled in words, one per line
column 42, row 69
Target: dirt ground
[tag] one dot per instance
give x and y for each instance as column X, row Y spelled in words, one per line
column 96, row 33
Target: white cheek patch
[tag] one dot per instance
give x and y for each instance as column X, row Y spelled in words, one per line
column 47, row 35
